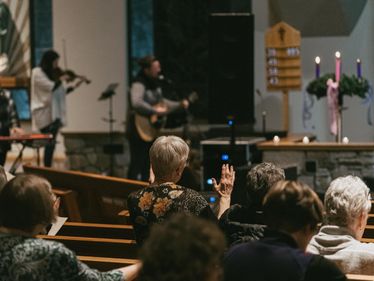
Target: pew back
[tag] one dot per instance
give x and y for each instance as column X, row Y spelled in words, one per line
column 99, row 247
column 115, row 231
column 100, row 198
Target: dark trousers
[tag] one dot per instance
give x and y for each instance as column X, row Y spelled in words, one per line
column 2, row 157
column 139, row 159
column 52, row 129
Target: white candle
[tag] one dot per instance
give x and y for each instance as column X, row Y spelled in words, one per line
column 305, row 140
column 276, row 139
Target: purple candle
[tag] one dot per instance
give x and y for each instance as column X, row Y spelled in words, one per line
column 358, row 68
column 317, row 60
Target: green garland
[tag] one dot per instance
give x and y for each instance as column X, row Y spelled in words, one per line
column 348, row 86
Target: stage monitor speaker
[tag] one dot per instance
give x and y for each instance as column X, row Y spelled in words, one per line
column 231, row 64
column 219, row 151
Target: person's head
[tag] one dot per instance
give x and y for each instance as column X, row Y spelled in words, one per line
column 347, row 204
column 49, row 62
column 26, row 204
column 150, row 66
column 168, row 156
column 260, row 179
column 184, row 248
column 294, row 208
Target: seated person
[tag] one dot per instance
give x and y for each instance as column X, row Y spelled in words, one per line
column 245, row 223
column 27, row 207
column 163, row 197
column 347, row 205
column 184, row 248
column 292, row 212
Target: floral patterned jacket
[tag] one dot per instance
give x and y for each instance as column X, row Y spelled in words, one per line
column 154, row 204
column 32, row 259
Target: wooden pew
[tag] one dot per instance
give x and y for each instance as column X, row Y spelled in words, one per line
column 371, row 219
column 359, row 277
column 105, row 264
column 115, row 231
column 369, row 231
column 367, row 240
column 98, row 247
column 69, row 203
column 100, row 198
column 124, row 216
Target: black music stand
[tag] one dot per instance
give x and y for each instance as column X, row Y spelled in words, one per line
column 35, row 141
column 110, row 148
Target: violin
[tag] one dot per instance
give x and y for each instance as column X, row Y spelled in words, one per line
column 71, row 75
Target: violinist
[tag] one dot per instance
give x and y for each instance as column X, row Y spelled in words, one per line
column 49, row 86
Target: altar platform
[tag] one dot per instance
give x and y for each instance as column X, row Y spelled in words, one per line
column 319, row 162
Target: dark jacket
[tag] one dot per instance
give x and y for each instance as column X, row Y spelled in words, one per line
column 8, row 117
column 277, row 257
column 241, row 224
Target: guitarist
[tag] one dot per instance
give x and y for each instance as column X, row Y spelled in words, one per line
column 146, row 100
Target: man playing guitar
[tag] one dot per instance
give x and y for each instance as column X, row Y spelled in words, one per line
column 147, row 107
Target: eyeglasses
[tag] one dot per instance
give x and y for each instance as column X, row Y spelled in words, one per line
column 55, row 199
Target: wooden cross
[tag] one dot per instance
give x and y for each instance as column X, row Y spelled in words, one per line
column 281, row 32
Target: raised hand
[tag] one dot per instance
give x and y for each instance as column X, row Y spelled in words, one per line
column 226, row 184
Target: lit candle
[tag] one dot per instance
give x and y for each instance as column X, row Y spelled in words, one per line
column 337, row 66
column 358, row 68
column 305, row 140
column 276, row 139
column 317, row 60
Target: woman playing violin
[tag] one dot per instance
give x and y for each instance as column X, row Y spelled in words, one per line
column 49, row 86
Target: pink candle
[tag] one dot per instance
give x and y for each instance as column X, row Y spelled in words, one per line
column 337, row 66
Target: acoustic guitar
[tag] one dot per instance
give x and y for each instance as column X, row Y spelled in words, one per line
column 148, row 127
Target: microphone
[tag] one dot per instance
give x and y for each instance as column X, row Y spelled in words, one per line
column 162, row 78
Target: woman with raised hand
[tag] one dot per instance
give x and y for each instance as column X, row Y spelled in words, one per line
column 163, row 197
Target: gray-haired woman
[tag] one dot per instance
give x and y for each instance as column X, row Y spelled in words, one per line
column 27, row 207
column 347, row 205
column 153, row 204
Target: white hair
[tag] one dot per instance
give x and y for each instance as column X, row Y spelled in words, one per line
column 345, row 200
column 166, row 154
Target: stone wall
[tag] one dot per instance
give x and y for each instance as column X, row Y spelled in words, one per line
column 84, row 152
column 329, row 164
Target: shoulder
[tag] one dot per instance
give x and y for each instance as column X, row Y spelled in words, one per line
column 193, row 193
column 52, row 249
column 320, row 268
column 56, row 249
column 138, row 193
column 37, row 71
column 237, row 260
column 138, row 84
column 195, row 198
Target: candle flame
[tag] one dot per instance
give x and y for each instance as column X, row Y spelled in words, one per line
column 317, row 60
column 337, row 55
column 358, row 61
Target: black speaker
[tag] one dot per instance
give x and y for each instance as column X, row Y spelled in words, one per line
column 231, row 63
column 219, row 151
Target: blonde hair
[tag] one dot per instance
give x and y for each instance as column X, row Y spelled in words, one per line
column 166, row 154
